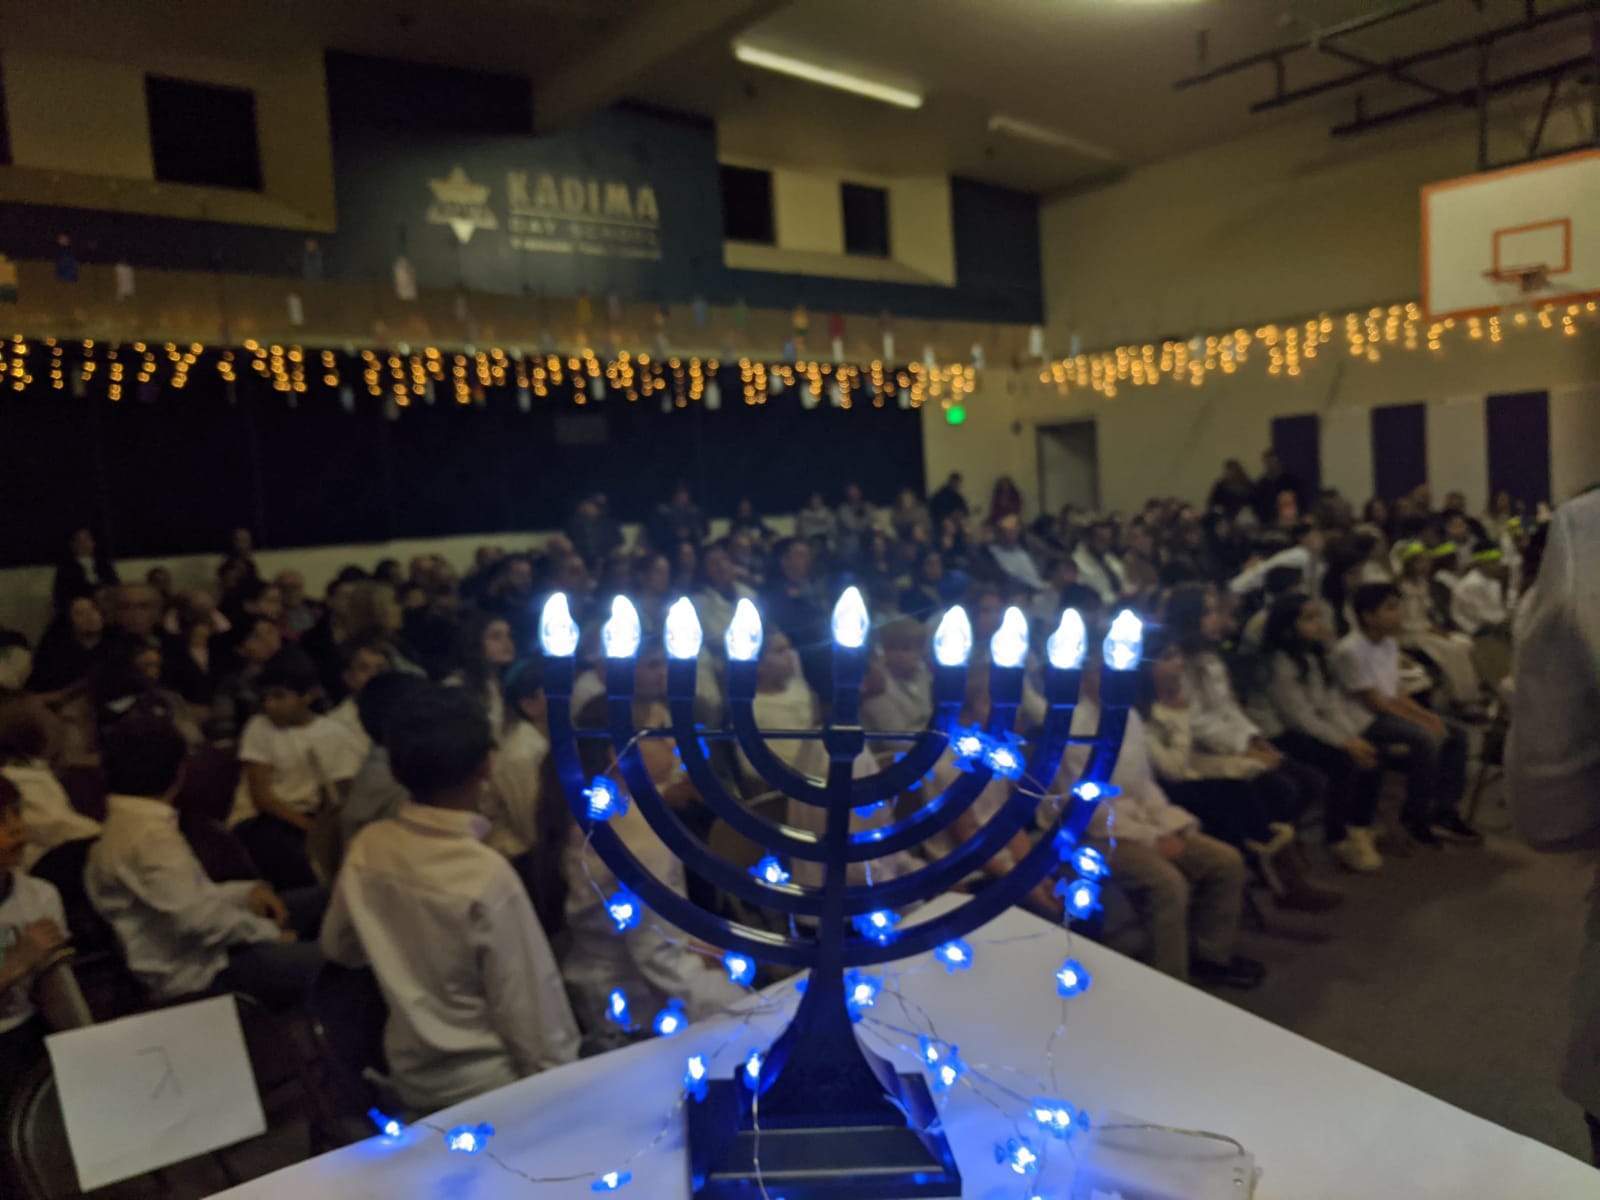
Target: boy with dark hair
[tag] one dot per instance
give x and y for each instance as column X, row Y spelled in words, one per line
column 289, row 756
column 898, row 693
column 181, row 933
column 1366, row 662
column 475, row 998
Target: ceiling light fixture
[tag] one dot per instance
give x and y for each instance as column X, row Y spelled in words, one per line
column 826, row 76
column 1045, row 136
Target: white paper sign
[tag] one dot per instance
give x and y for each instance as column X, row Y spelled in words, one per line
column 149, row 1090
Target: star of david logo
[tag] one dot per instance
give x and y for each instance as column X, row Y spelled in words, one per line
column 461, row 204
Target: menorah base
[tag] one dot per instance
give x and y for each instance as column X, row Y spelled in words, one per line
column 879, row 1159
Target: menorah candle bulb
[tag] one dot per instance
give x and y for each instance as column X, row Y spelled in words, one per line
column 558, row 632
column 621, row 634
column 1009, row 645
column 1067, row 646
column 744, row 632
column 684, row 636
column 850, row 620
column 1124, row 642
column 952, row 640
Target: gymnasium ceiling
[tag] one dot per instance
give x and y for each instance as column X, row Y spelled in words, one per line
column 1099, row 72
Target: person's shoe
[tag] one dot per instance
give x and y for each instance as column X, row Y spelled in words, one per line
column 1239, row 972
column 1266, row 856
column 1423, row 835
column 1358, row 851
column 1451, row 828
column 1302, row 893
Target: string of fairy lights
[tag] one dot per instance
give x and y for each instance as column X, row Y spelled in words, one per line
column 1290, row 349
column 402, row 376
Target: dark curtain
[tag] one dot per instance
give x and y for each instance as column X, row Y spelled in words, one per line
column 1399, row 449
column 1519, row 445
column 1298, row 444
column 171, row 471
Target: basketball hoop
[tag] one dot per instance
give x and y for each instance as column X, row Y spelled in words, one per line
column 1527, row 281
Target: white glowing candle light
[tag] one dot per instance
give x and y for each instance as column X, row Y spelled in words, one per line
column 1009, row 645
column 1068, row 643
column 952, row 641
column 744, row 633
column 683, row 634
column 558, row 632
column 850, row 620
column 1125, row 641
column 620, row 635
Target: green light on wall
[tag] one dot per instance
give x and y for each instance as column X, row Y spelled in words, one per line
column 956, row 414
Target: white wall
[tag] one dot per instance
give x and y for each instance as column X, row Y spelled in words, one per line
column 80, row 132
column 1275, row 227
column 808, row 227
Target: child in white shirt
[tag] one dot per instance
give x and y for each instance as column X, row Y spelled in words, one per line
column 290, row 756
column 179, row 932
column 1187, row 888
column 652, row 963
column 37, row 992
column 511, row 799
column 475, row 997
column 898, row 693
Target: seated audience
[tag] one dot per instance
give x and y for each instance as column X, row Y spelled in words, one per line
column 1315, row 721
column 511, row 798
column 1221, row 728
column 484, row 649
column 68, row 647
column 923, row 597
column 363, row 662
column 1187, row 888
column 374, row 792
column 897, row 695
column 475, row 997
column 1098, row 567
column 83, row 570
column 1366, row 663
column 1478, row 602
column 47, row 812
column 299, row 614
column 1305, row 555
column 816, row 523
column 291, row 760
column 237, row 696
column 180, row 933
column 1222, row 790
column 37, row 990
column 1010, row 561
column 652, row 963
column 1425, row 637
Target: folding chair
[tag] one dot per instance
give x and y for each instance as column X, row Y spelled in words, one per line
column 348, row 1014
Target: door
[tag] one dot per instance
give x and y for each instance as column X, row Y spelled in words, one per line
column 1069, row 467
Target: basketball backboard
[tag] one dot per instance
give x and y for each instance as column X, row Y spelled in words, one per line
column 1527, row 235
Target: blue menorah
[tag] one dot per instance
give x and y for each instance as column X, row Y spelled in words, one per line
column 836, row 1121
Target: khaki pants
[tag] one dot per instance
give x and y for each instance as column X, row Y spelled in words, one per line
column 1188, row 905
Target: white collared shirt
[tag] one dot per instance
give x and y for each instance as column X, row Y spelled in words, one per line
column 30, row 900
column 1478, row 600
column 47, row 811
column 511, row 797
column 304, row 760
column 174, row 924
column 475, row 998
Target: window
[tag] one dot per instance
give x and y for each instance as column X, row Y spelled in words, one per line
column 747, row 205
column 202, row 133
column 866, row 219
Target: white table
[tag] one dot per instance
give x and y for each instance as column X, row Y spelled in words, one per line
column 1320, row 1125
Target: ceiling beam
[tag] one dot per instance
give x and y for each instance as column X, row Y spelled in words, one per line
column 656, row 33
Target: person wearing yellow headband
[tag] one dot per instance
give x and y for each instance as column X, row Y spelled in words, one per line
column 1478, row 600
column 1424, row 634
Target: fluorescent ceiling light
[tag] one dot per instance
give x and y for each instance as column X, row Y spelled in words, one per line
column 826, row 76
column 1045, row 136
